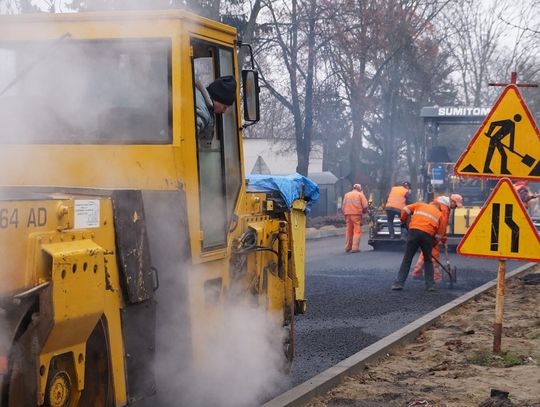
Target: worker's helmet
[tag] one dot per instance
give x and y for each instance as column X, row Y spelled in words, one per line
column 458, row 199
column 444, row 200
column 358, row 187
column 406, row 184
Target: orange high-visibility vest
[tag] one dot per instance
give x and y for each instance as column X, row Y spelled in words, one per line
column 354, row 203
column 425, row 217
column 397, row 198
column 445, row 214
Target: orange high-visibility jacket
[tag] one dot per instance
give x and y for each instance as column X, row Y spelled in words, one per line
column 354, row 203
column 427, row 217
column 445, row 211
column 397, row 198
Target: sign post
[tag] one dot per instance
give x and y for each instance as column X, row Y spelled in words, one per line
column 499, row 307
column 503, row 228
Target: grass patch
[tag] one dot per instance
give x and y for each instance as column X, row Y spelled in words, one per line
column 487, row 358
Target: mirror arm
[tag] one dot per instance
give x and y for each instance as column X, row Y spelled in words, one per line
column 241, row 44
column 246, row 125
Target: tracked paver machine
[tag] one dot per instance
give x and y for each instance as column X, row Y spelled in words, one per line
column 437, row 177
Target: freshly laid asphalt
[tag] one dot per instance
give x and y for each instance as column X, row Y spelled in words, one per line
column 351, row 306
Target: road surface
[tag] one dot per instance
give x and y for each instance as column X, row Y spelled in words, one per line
column 350, row 304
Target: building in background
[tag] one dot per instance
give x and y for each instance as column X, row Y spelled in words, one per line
column 264, row 156
column 278, row 157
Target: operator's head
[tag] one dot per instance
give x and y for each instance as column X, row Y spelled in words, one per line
column 456, row 201
column 406, row 184
column 358, row 187
column 223, row 93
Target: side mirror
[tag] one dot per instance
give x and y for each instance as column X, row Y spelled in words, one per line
column 250, row 84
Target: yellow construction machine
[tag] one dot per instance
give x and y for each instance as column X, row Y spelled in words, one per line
column 120, row 230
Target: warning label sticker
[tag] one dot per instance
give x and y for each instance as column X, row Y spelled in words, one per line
column 86, row 213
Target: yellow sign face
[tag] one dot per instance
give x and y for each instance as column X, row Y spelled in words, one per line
column 507, row 143
column 502, row 229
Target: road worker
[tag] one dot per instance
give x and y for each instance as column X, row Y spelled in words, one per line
column 353, row 207
column 525, row 195
column 215, row 99
column 418, row 269
column 427, row 226
column 399, row 196
column 435, row 252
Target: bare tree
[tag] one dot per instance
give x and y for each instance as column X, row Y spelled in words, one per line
column 476, row 36
column 17, row 7
column 366, row 46
column 526, row 18
column 293, row 42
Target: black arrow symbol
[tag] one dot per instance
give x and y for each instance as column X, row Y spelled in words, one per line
column 509, row 221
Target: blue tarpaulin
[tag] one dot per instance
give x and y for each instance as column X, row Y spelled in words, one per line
column 289, row 186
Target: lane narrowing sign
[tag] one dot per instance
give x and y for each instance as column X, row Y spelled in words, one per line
column 502, row 229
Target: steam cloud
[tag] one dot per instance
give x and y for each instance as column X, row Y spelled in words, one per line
column 244, row 360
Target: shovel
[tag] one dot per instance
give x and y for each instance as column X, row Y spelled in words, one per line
column 451, row 272
column 525, row 159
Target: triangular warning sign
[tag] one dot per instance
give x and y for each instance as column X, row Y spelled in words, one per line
column 502, row 229
column 260, row 167
column 507, row 144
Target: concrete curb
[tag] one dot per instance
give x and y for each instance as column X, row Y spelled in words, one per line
column 312, row 233
column 330, row 378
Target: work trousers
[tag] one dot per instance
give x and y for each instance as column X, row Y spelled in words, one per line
column 390, row 215
column 419, row 266
column 424, row 241
column 353, row 232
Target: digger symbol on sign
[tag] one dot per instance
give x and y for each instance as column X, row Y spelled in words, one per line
column 504, row 128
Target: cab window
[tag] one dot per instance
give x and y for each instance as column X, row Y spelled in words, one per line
column 70, row 91
column 218, row 153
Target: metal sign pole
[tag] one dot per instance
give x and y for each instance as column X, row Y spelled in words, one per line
column 501, row 281
column 499, row 307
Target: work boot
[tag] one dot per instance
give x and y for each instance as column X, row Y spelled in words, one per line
column 397, row 286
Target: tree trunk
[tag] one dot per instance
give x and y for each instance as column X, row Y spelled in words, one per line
column 249, row 31
column 305, row 149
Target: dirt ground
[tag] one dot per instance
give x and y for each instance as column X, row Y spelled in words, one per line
column 452, row 363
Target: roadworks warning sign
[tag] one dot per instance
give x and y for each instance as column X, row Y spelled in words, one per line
column 507, row 144
column 502, row 229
